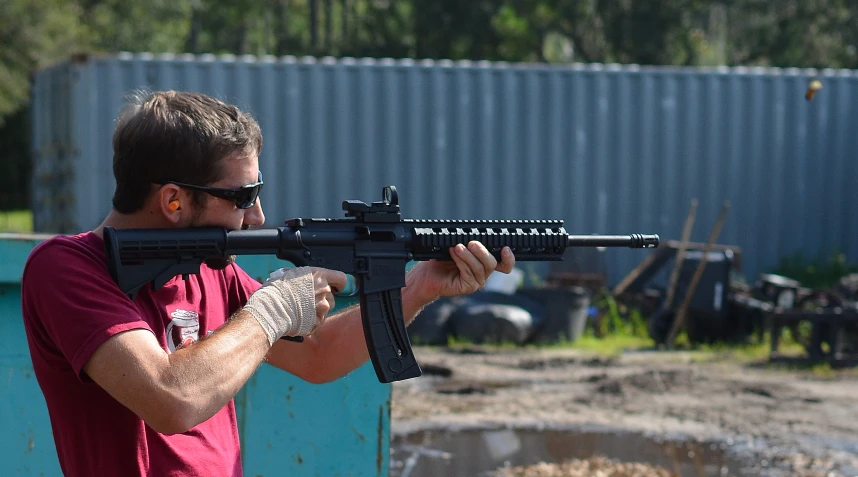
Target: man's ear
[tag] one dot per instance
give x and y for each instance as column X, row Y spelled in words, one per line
column 170, row 201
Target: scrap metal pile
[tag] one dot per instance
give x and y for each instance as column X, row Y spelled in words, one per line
column 723, row 308
column 704, row 298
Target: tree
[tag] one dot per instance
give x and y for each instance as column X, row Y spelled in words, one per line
column 33, row 33
column 799, row 33
column 793, row 33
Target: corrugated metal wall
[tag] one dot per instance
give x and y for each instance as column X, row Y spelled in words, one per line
column 608, row 149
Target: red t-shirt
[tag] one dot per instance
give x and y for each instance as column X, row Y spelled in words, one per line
column 70, row 306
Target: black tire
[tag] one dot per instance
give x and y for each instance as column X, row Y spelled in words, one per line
column 659, row 324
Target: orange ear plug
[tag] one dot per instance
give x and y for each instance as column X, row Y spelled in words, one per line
column 174, row 205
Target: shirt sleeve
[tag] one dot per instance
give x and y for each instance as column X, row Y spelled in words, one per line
column 73, row 303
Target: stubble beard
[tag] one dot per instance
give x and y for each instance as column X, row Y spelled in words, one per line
column 214, row 263
column 219, row 263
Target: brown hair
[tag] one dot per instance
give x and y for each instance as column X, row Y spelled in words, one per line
column 176, row 136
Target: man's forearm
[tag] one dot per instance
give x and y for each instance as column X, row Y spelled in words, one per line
column 339, row 346
column 207, row 374
column 174, row 392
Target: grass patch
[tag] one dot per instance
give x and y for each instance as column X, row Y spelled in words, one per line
column 791, row 358
column 606, row 346
column 455, row 342
column 18, row 221
column 610, row 345
column 617, row 328
column 821, row 371
column 745, row 352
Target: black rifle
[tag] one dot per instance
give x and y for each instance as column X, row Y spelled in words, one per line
column 373, row 244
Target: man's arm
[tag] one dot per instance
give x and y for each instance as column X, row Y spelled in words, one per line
column 174, row 392
column 75, row 308
column 339, row 346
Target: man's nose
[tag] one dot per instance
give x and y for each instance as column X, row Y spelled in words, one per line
column 254, row 215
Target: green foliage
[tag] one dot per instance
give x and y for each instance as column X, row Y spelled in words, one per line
column 617, row 320
column 33, row 33
column 616, row 329
column 806, row 33
column 14, row 161
column 19, row 221
column 158, row 25
column 822, row 271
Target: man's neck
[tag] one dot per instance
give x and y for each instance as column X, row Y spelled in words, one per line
column 139, row 220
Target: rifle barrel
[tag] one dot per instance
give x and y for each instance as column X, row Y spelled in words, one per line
column 631, row 241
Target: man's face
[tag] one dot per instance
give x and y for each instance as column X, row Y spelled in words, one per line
column 239, row 169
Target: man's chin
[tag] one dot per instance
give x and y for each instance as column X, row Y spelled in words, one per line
column 219, row 263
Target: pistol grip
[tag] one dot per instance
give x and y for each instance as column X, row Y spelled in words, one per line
column 386, row 337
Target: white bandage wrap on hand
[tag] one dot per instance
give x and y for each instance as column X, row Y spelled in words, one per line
column 285, row 305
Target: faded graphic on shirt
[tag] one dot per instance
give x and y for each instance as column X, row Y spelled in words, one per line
column 183, row 330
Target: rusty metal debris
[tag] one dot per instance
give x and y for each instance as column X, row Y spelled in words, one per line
column 823, row 321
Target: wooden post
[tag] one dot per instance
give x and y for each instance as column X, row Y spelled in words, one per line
column 698, row 273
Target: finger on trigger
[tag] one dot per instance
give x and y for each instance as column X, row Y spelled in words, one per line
column 337, row 280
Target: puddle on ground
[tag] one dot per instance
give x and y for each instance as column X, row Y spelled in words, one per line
column 478, row 452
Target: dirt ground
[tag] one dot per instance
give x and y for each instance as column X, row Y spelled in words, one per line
column 780, row 422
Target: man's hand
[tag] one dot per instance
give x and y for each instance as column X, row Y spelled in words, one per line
column 296, row 301
column 467, row 273
column 325, row 283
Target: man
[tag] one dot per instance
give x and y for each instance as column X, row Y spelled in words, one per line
column 146, row 387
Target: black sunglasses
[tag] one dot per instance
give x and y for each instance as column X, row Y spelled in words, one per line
column 243, row 197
